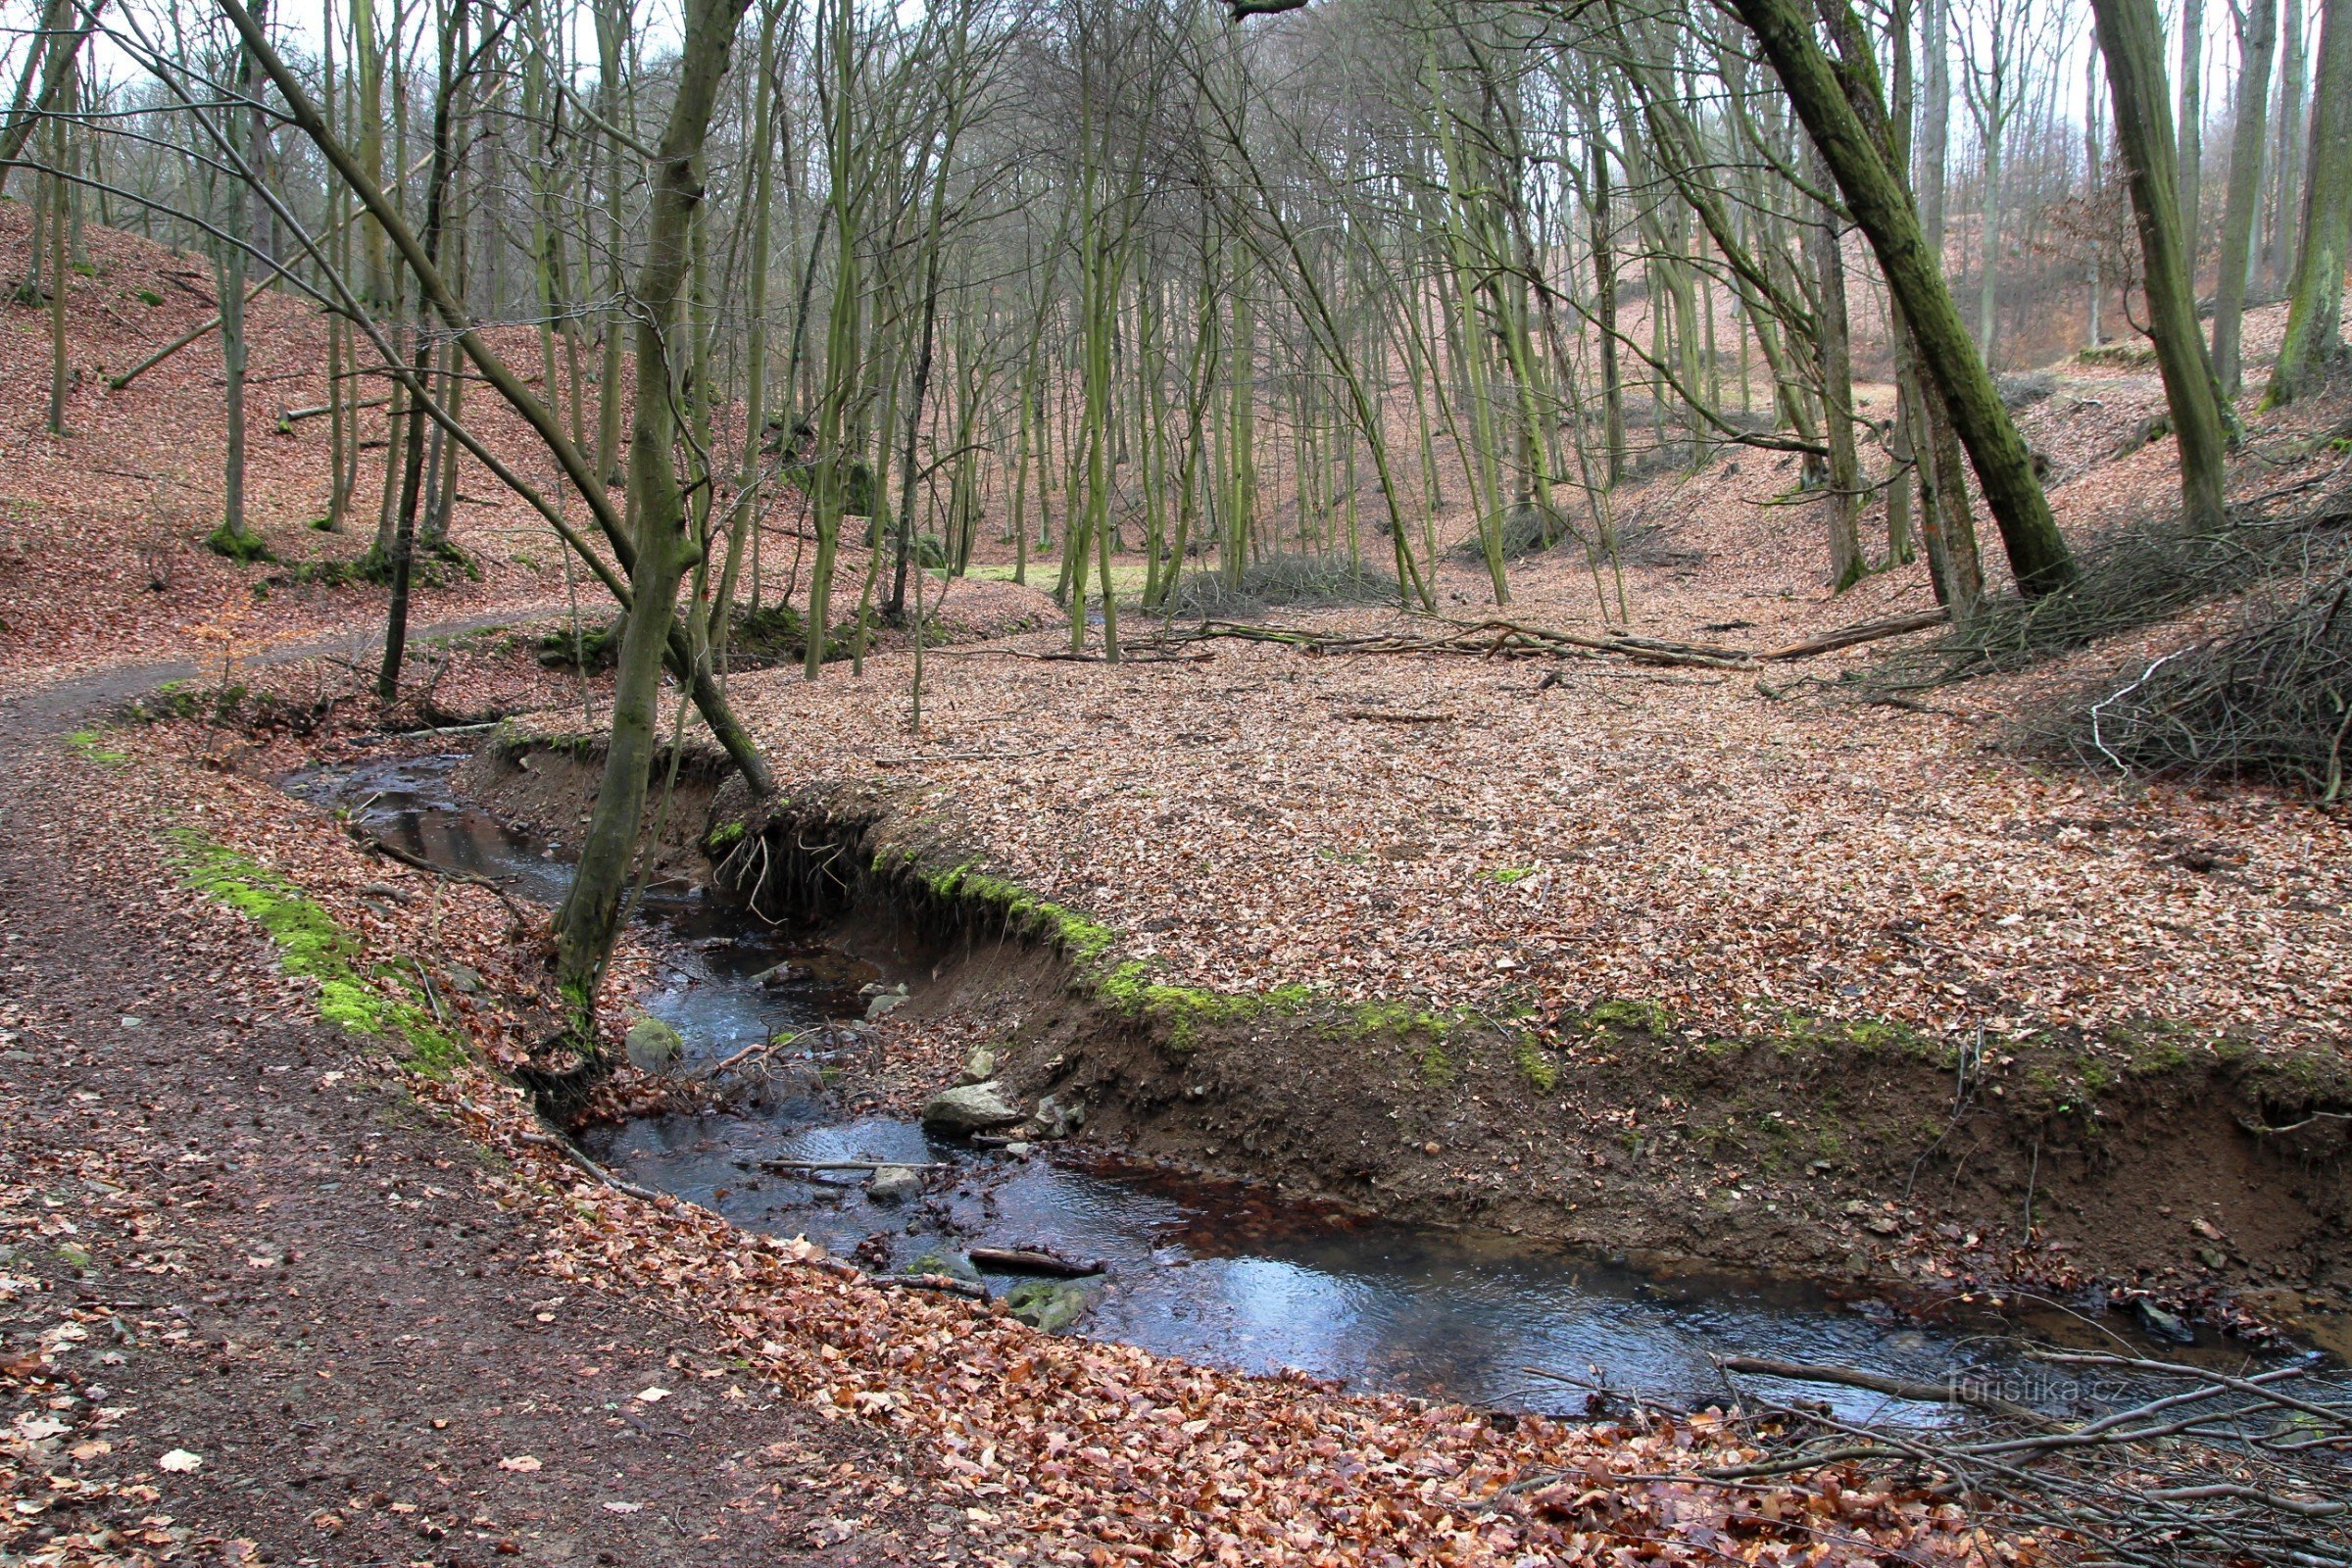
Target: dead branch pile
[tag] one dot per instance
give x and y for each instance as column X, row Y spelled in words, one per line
column 1511, row 639
column 2160, row 1464
column 1295, row 580
column 2270, row 700
column 2130, row 577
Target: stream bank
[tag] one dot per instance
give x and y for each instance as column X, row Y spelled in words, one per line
column 1858, row 1153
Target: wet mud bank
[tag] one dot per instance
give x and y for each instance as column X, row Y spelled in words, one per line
column 2210, row 1179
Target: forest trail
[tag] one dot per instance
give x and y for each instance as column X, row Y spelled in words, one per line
column 241, row 1245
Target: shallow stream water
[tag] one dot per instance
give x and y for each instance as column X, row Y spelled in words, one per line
column 1217, row 1274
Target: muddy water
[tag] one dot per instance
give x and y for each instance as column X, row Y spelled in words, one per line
column 1215, row 1274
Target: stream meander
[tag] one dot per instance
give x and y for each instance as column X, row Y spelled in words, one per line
column 1214, row 1273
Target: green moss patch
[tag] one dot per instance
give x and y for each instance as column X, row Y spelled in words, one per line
column 310, row 943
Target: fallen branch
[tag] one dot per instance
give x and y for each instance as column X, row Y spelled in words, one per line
column 944, row 1284
column 564, row 1146
column 393, row 852
column 1864, row 631
column 1894, row 1387
column 1032, row 1260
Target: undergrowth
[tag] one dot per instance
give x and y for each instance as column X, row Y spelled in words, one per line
column 2269, row 701
column 2133, row 576
column 1278, row 581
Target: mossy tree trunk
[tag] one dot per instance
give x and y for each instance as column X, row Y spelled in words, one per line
column 2132, row 38
column 589, row 920
column 1832, row 99
column 2316, row 301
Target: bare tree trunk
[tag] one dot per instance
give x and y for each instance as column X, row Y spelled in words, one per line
column 2191, row 128
column 231, row 538
column 2132, row 37
column 2279, row 253
column 60, row 195
column 1934, row 123
column 1604, row 295
column 1835, row 354
column 2258, row 41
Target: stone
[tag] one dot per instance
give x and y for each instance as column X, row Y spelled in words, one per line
column 888, row 1003
column 1018, row 1149
column 979, row 1068
column 1057, row 1120
column 971, row 1108
column 1050, row 1305
column 954, row 1265
column 464, row 979
column 2162, row 1325
column 894, row 1184
column 653, row 1045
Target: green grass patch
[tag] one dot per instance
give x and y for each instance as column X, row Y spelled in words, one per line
column 1539, row 1070
column 92, row 745
column 311, row 943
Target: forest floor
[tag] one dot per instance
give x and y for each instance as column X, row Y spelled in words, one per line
column 276, row 1290
column 287, row 1278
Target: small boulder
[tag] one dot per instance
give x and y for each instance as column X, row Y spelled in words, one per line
column 978, row 1067
column 948, row 1265
column 2155, row 1321
column 1057, row 1120
column 1050, row 1305
column 888, row 1003
column 464, row 979
column 894, row 1184
column 971, row 1108
column 653, row 1045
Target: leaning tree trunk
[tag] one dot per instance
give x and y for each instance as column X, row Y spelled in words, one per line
column 2316, row 303
column 2132, row 37
column 590, row 917
column 1881, row 209
column 2260, row 40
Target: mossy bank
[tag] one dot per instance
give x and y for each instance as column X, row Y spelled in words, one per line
column 1850, row 1150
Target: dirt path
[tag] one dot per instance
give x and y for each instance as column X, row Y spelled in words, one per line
column 221, row 1233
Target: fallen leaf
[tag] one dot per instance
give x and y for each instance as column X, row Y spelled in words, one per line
column 179, row 1461
column 623, row 1507
column 521, row 1461
column 652, row 1396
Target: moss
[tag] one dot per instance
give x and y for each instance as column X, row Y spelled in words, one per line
column 1631, row 1017
column 724, row 837
column 1508, row 875
column 1539, row 1070
column 92, row 745
column 1436, row 1067
column 238, row 545
column 311, row 943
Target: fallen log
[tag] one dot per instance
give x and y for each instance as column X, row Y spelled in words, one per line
column 1032, row 1260
column 1864, row 631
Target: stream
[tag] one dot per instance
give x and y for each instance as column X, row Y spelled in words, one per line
column 1217, row 1274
